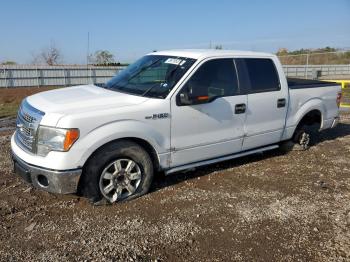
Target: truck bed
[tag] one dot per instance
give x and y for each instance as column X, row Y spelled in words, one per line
column 306, row 95
column 297, row 83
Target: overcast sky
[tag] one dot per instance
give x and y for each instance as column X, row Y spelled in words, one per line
column 132, row 28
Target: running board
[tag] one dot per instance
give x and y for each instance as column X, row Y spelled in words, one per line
column 212, row 161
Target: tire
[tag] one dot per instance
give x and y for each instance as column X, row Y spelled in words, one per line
column 302, row 140
column 304, row 137
column 120, row 171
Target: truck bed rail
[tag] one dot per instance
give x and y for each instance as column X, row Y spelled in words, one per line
column 297, row 83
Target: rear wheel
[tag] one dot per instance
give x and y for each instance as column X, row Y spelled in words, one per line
column 304, row 137
column 120, row 171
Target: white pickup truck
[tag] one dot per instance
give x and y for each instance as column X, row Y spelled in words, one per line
column 169, row 111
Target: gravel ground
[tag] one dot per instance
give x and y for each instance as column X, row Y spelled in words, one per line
column 266, row 207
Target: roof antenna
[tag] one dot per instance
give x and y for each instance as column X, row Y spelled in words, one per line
column 88, row 49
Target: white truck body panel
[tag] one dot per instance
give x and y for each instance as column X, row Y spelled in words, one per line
column 206, row 131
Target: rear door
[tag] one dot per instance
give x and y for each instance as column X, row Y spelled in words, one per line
column 267, row 102
column 210, row 129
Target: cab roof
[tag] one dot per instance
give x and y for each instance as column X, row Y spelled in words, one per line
column 206, row 53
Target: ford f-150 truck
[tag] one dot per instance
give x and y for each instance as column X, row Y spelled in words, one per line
column 169, row 111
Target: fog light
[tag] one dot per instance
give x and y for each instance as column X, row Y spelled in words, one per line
column 42, row 181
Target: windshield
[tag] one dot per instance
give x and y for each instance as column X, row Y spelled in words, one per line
column 151, row 76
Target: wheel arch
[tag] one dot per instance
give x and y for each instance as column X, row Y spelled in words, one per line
column 299, row 113
column 89, row 181
column 155, row 142
column 149, row 148
column 314, row 116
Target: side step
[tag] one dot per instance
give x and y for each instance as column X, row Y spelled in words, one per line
column 220, row 159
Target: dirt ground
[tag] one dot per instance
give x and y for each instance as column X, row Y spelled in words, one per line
column 10, row 98
column 266, row 207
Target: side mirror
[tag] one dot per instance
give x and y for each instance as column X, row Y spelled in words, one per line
column 184, row 98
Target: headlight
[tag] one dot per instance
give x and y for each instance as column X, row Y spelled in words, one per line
column 55, row 139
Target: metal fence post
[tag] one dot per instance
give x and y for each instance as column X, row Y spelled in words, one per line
column 10, row 77
column 5, row 74
column 307, row 66
column 41, row 77
column 67, row 77
column 37, row 76
column 64, row 77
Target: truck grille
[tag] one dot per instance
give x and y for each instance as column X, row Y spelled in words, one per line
column 27, row 123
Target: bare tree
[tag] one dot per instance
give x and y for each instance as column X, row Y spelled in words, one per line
column 103, row 57
column 50, row 55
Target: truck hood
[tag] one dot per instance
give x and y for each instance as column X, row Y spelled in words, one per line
column 81, row 99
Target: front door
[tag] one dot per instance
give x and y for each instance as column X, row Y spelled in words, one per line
column 211, row 124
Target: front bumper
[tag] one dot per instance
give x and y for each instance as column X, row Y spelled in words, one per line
column 62, row 182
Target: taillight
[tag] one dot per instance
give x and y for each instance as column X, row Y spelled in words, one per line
column 338, row 99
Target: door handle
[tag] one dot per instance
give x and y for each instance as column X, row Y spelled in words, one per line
column 240, row 108
column 281, row 102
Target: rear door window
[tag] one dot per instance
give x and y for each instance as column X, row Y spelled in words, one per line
column 261, row 73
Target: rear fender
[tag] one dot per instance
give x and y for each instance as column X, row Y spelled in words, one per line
column 295, row 118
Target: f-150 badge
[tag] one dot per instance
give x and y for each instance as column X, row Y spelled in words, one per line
column 158, row 116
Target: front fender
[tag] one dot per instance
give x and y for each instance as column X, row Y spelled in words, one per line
column 121, row 129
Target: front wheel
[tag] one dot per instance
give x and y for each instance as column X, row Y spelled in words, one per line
column 120, row 171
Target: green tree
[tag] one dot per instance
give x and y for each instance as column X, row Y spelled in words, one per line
column 282, row 51
column 103, row 57
column 9, row 63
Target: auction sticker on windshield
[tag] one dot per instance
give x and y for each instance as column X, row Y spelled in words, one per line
column 175, row 61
